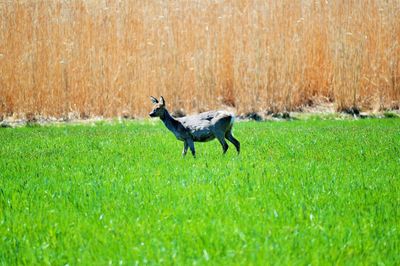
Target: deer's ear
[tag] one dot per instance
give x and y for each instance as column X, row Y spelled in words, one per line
column 153, row 100
column 162, row 101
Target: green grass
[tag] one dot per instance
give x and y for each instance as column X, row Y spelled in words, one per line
column 301, row 192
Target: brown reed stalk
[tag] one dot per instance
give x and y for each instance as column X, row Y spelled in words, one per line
column 107, row 57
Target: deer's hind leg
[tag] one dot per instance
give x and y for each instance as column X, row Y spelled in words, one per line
column 232, row 139
column 221, row 140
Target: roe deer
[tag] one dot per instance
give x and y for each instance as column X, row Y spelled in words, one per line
column 197, row 128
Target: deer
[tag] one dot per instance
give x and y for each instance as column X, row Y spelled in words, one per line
column 202, row 127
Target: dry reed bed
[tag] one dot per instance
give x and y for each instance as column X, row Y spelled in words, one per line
column 107, row 57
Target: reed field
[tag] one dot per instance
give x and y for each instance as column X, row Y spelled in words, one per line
column 299, row 193
column 106, row 57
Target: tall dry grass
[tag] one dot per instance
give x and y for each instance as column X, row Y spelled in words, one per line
column 106, row 57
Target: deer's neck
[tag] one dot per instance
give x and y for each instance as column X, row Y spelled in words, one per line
column 170, row 122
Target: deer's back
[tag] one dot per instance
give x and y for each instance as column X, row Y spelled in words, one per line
column 202, row 126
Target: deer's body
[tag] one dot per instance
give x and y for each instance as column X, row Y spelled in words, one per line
column 198, row 128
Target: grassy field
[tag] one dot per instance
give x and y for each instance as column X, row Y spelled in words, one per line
column 301, row 192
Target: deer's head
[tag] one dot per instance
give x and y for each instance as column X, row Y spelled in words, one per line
column 159, row 107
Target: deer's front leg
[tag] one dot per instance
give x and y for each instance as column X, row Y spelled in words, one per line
column 191, row 146
column 185, row 148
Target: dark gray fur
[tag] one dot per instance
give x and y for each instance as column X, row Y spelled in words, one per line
column 197, row 128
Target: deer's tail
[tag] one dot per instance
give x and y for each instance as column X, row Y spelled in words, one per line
column 226, row 122
column 232, row 120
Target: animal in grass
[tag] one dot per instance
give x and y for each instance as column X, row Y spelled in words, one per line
column 197, row 128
